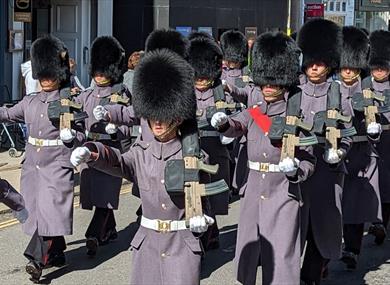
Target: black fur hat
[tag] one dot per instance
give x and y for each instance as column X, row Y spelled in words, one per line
column 163, row 87
column 234, row 46
column 205, row 56
column 320, row 41
column 50, row 59
column 197, row 34
column 108, row 58
column 355, row 48
column 169, row 39
column 275, row 60
column 379, row 49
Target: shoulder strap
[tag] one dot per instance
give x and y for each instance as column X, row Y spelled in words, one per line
column 367, row 83
column 334, row 96
column 218, row 93
column 294, row 104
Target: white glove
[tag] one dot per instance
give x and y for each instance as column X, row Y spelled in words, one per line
column 21, row 215
column 289, row 166
column 374, row 128
column 80, row 155
column 225, row 140
column 199, row 224
column 111, row 129
column 67, row 135
column 100, row 113
column 219, row 119
column 333, row 156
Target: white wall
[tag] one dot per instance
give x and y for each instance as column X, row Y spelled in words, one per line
column 105, row 17
column 17, row 60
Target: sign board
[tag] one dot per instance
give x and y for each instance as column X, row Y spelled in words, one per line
column 340, row 20
column 23, row 10
column 185, row 31
column 314, row 11
column 250, row 32
column 374, row 5
column 207, row 30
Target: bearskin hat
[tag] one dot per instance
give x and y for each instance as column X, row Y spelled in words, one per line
column 234, row 46
column 320, row 41
column 355, row 48
column 379, row 50
column 169, row 39
column 275, row 60
column 50, row 59
column 197, row 34
column 108, row 58
column 163, row 87
column 205, row 56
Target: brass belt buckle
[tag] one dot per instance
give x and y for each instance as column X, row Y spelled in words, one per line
column 163, row 226
column 264, row 167
column 38, row 142
column 95, row 136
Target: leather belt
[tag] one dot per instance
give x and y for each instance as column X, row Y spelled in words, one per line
column 203, row 133
column 163, row 226
column 43, row 142
column 97, row 136
column 263, row 166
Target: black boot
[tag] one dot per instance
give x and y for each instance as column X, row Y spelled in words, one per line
column 350, row 259
column 34, row 270
column 379, row 231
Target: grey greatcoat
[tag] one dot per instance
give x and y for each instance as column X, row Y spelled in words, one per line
column 47, row 174
column 322, row 192
column 97, row 188
column 383, row 148
column 269, row 223
column 218, row 153
column 361, row 197
column 10, row 197
column 158, row 258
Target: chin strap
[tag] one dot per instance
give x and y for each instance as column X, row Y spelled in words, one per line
column 380, row 79
column 208, row 84
column 277, row 93
column 353, row 78
column 324, row 72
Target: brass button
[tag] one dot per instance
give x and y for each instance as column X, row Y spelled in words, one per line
column 164, row 254
column 162, row 181
column 37, row 166
column 164, row 206
column 262, row 197
column 265, row 155
column 41, row 115
column 38, row 149
column 40, row 132
column 263, row 175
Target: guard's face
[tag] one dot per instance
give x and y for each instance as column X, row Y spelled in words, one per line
column 317, row 72
column 49, row 84
column 380, row 74
column 101, row 79
column 232, row 64
column 159, row 128
column 349, row 75
column 203, row 84
column 272, row 93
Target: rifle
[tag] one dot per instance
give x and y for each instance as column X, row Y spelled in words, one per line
column 366, row 102
column 66, row 110
column 287, row 129
column 327, row 122
column 183, row 175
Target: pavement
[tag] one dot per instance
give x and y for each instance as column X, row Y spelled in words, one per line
column 113, row 262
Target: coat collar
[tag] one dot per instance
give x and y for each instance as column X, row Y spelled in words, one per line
column 204, row 95
column 349, row 91
column 101, row 92
column 380, row 86
column 165, row 150
column 316, row 90
column 236, row 72
column 49, row 96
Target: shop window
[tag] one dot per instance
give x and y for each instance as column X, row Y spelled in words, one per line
column 338, row 6
column 344, row 6
column 331, row 6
